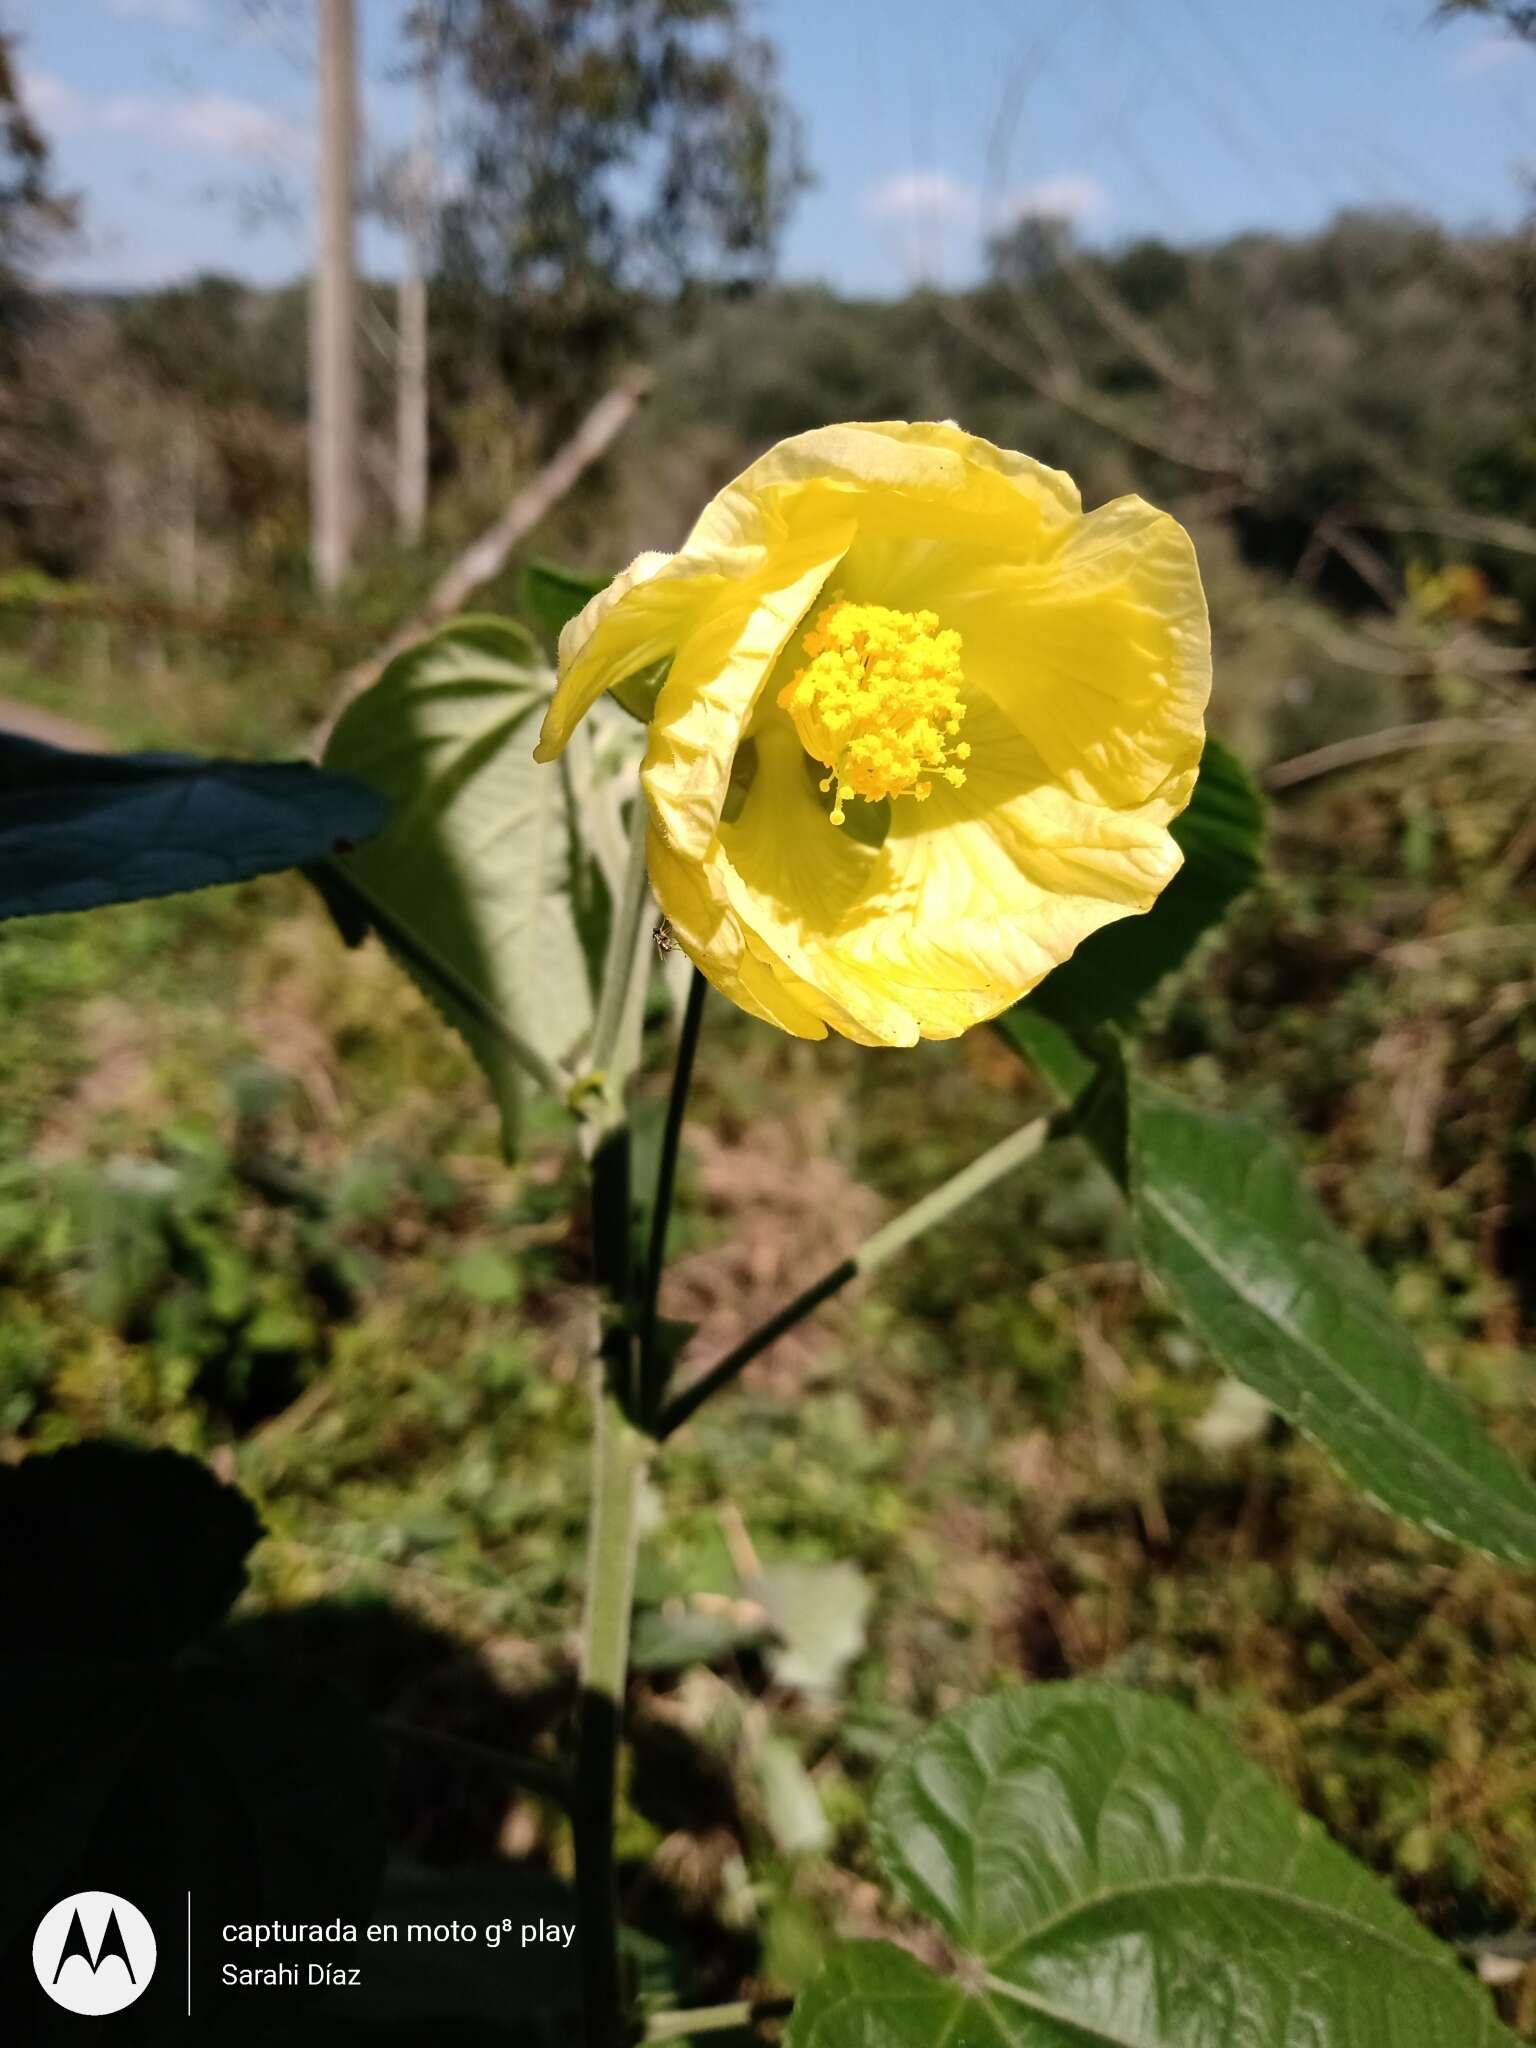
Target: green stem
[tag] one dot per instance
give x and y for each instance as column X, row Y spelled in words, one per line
column 716, row 2019
column 876, row 1251
column 619, row 966
column 666, row 1181
column 618, row 1466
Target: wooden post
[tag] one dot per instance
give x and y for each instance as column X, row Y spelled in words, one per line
column 333, row 308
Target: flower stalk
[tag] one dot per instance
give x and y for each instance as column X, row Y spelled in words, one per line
column 875, row 1252
column 618, row 1468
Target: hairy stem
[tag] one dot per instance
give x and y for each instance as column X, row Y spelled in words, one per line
column 618, row 1467
column 716, row 2019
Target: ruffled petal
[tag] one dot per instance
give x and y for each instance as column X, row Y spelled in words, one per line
column 1086, row 658
column 1100, row 654
column 694, row 900
column 708, row 699
column 640, row 618
column 896, row 468
column 799, row 885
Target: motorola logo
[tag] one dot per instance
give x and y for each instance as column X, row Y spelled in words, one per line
column 94, row 1953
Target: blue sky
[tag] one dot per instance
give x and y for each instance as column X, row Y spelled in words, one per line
column 927, row 122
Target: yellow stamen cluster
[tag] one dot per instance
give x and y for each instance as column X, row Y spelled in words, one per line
column 879, row 702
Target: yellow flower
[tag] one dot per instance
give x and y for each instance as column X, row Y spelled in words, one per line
column 924, row 728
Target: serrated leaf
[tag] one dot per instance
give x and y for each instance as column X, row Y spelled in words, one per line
column 1109, row 1873
column 479, row 864
column 1248, row 1255
column 81, row 830
column 1111, row 974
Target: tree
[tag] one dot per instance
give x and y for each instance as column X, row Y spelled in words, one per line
column 32, row 215
column 31, row 212
column 610, row 151
column 1517, row 16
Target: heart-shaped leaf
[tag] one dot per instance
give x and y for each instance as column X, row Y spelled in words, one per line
column 479, row 885
column 1108, row 1873
column 81, row 830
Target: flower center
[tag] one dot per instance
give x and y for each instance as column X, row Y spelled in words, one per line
column 878, row 703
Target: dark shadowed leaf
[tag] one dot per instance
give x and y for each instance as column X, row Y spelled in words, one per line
column 129, row 1553
column 80, row 830
column 132, row 1758
column 1108, row 1873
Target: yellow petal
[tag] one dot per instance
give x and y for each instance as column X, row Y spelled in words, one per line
column 892, row 466
column 709, row 698
column 798, row 885
column 1100, row 653
column 1084, row 676
column 693, row 898
column 639, row 619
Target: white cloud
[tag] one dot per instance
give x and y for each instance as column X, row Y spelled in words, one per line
column 926, row 196
column 939, row 199
column 210, row 121
column 174, row 13
column 53, row 103
column 1065, row 195
column 1490, row 52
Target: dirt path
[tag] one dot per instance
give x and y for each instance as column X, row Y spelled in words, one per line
column 32, row 724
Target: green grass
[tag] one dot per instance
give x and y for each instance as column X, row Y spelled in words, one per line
column 251, row 1205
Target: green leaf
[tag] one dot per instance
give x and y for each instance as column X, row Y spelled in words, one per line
column 1109, row 1873
column 820, row 1613
column 673, row 1637
column 637, row 693
column 80, row 830
column 1053, row 1052
column 791, row 1804
column 1225, row 1221
column 552, row 596
column 477, row 885
column 1112, row 973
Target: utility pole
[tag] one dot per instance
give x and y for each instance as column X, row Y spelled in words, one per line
column 333, row 426
column 411, row 356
